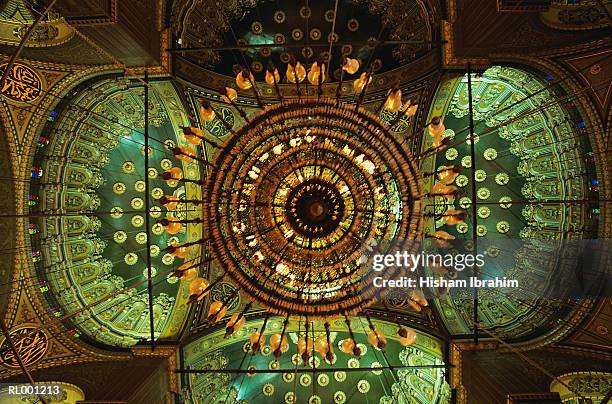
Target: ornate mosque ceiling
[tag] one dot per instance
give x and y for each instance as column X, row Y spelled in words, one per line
column 99, row 247
column 87, row 230
column 540, row 157
column 357, row 379
column 104, row 253
column 303, row 30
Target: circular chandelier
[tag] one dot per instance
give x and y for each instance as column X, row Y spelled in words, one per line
column 295, row 195
column 295, row 199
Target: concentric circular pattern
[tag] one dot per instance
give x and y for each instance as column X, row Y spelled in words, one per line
column 297, row 193
column 313, row 209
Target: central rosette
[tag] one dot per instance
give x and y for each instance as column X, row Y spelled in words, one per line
column 296, row 197
column 313, row 202
column 315, row 208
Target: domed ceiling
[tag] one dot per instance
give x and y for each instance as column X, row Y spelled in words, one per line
column 99, row 247
column 526, row 171
column 95, row 252
column 418, row 377
column 278, row 30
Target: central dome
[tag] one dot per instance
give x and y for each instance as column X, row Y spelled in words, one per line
column 298, row 194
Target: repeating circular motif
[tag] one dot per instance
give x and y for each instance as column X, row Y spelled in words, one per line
column 141, row 238
column 346, row 49
column 285, row 57
column 462, row 228
column 329, row 15
column 339, row 397
column 168, row 259
column 130, row 258
column 353, row 363
column 323, row 379
column 315, row 34
column 137, row 221
column 483, row 193
column 376, row 66
column 333, row 37
column 305, row 12
column 363, row 348
column 490, row 154
column 502, row 179
column 165, row 164
column 376, row 368
column 157, row 193
column 352, row 25
column 149, row 150
column 145, row 272
column 505, row 202
column 475, row 137
column 305, row 380
column 251, row 367
column 466, row 161
column 279, row 39
column 481, row 230
column 340, row 376
column 152, row 172
column 449, row 133
column 451, row 154
column 116, row 212
column 266, row 350
column 503, row 227
column 120, row 236
column 325, row 56
column 288, row 377
column 268, row 389
column 595, row 69
column 155, row 212
column 363, row 386
column 480, row 175
column 290, row 397
column 157, row 229
column 171, row 279
column 136, row 203
column 257, row 66
column 265, row 52
column 128, row 167
column 154, row 250
column 119, row 188
column 296, row 359
column 465, row 202
column 169, row 143
column 257, row 28
column 273, row 365
column 297, row 34
column 484, row 212
column 140, row 186
column 279, row 16
column 461, row 180
column 307, row 52
column 493, row 251
column 314, row 399
column 314, row 361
